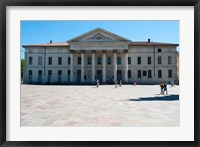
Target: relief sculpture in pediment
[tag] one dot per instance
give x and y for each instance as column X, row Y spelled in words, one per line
column 98, row 37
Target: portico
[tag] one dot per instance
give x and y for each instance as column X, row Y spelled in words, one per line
column 104, row 49
column 101, row 64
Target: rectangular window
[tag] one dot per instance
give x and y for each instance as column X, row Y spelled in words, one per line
column 138, row 60
column 59, row 72
column 144, row 73
column 39, row 72
column 68, row 72
column 129, row 73
column 50, row 60
column 39, row 60
column 49, row 72
column 159, row 60
column 89, row 61
column 30, row 60
column 149, row 74
column 99, row 60
column 169, row 59
column 149, row 60
column 159, row 50
column 139, row 74
column 30, row 72
column 59, row 75
column 69, row 61
column 109, row 60
column 159, row 73
column 129, row 60
column 59, row 60
column 79, row 60
column 170, row 73
column 119, row 60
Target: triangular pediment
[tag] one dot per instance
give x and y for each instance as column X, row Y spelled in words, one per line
column 98, row 35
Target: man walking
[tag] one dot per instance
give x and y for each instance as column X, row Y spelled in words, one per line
column 165, row 88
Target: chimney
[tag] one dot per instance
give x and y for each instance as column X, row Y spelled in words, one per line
column 50, row 41
column 149, row 40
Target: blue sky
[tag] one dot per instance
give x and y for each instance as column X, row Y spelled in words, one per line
column 35, row 32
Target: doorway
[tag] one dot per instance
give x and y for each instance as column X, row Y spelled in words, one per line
column 99, row 75
column 78, row 77
column 119, row 75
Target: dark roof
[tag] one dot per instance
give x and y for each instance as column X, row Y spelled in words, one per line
column 151, row 43
column 47, row 44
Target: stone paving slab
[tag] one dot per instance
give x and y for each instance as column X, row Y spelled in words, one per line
column 106, row 106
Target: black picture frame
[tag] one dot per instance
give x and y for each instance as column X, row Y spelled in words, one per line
column 5, row 3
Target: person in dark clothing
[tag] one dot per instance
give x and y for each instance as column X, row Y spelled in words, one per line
column 165, row 88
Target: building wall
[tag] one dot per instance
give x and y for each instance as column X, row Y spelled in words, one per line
column 133, row 52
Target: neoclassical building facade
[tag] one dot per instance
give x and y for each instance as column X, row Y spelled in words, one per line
column 100, row 54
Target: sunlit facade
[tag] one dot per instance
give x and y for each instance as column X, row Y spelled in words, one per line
column 100, row 54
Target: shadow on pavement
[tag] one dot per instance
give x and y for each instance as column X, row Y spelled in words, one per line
column 160, row 98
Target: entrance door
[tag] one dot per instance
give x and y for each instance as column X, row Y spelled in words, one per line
column 119, row 75
column 99, row 75
column 78, row 77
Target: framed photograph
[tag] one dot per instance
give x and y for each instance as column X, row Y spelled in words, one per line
column 103, row 73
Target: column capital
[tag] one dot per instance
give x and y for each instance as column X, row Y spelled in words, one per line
column 125, row 51
column 94, row 51
column 103, row 51
column 114, row 51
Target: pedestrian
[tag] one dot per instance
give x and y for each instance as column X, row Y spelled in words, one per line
column 97, row 83
column 161, row 87
column 115, row 84
column 120, row 83
column 134, row 83
column 165, row 88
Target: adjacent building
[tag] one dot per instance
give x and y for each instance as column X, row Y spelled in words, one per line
column 100, row 54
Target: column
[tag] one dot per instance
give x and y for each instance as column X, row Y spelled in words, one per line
column 71, row 66
column 93, row 65
column 104, row 66
column 82, row 66
column 126, row 65
column 115, row 65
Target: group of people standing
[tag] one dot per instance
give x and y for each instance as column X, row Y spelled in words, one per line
column 163, row 88
column 120, row 83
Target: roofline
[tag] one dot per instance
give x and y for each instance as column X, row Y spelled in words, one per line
column 86, row 33
column 152, row 44
column 46, row 45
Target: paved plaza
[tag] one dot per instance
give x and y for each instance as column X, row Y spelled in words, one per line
column 106, row 106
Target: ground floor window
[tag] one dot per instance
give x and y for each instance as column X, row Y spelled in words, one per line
column 30, row 72
column 139, row 74
column 129, row 73
column 149, row 74
column 39, row 76
column 170, row 73
column 159, row 73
